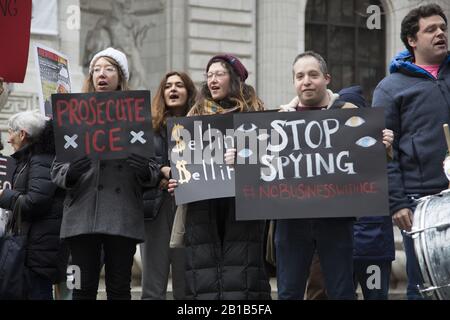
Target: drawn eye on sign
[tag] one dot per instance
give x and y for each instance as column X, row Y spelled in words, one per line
column 366, row 142
column 245, row 153
column 355, row 122
column 244, row 128
column 263, row 137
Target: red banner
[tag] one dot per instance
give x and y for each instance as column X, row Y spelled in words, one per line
column 15, row 22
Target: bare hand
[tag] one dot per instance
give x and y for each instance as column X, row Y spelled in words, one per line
column 166, row 172
column 171, row 186
column 403, row 219
column 388, row 138
column 230, row 156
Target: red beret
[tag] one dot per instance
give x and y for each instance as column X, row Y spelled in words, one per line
column 235, row 63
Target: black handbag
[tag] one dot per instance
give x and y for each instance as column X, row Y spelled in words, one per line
column 14, row 275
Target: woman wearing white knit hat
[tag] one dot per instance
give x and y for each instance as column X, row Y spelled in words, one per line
column 115, row 65
column 103, row 208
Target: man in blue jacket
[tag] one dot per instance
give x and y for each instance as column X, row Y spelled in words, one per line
column 416, row 97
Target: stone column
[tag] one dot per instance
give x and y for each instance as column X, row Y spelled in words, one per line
column 280, row 37
column 176, row 31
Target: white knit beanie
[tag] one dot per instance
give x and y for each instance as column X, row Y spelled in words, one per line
column 115, row 54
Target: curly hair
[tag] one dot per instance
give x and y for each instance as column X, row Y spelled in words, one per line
column 240, row 94
column 410, row 23
column 160, row 112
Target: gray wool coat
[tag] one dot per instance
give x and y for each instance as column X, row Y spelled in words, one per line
column 107, row 199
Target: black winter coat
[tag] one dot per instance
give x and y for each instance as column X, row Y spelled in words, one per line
column 224, row 257
column 41, row 209
column 154, row 196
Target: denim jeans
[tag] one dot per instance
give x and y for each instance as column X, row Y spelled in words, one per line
column 295, row 243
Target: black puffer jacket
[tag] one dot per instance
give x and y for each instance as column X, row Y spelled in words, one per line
column 153, row 197
column 224, row 257
column 41, row 206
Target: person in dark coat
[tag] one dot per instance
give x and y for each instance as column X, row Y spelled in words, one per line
column 31, row 137
column 224, row 257
column 416, row 101
column 373, row 246
column 175, row 96
column 103, row 209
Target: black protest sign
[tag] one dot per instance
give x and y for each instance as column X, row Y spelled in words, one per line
column 7, row 167
column 312, row 164
column 104, row 126
column 196, row 149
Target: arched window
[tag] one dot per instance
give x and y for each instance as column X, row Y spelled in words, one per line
column 337, row 29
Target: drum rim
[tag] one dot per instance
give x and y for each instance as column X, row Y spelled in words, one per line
column 423, row 253
column 421, row 248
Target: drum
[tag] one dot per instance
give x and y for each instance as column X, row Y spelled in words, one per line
column 431, row 234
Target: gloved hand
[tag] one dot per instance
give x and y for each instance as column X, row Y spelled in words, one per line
column 76, row 169
column 141, row 166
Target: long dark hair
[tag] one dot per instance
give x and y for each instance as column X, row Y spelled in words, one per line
column 160, row 113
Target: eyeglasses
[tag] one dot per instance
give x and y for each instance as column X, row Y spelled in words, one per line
column 218, row 74
column 107, row 69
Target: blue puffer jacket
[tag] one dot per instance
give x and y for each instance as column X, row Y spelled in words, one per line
column 416, row 106
column 373, row 237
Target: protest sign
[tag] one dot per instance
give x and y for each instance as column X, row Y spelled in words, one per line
column 7, row 167
column 104, row 126
column 311, row 164
column 15, row 21
column 196, row 149
column 53, row 75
